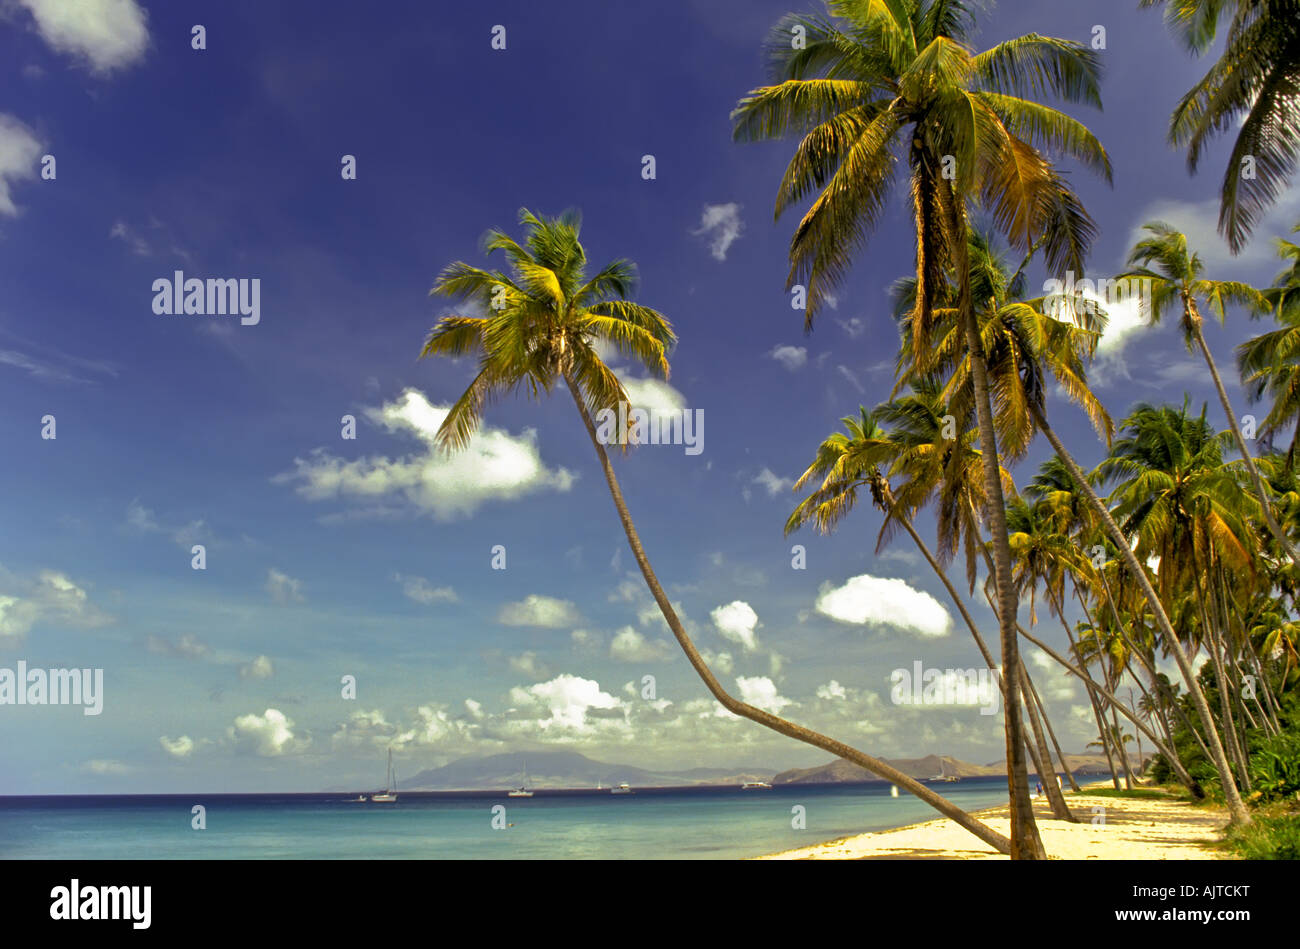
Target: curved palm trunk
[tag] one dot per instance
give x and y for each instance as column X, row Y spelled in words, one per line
column 1025, row 841
column 1194, row 320
column 743, row 709
column 1060, row 809
column 1184, row 778
column 1236, row 807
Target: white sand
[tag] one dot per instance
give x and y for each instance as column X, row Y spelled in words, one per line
column 1127, row 829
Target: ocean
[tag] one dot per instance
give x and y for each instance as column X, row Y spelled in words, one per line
column 667, row 823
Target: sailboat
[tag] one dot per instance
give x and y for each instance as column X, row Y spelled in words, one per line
column 522, row 790
column 390, row 795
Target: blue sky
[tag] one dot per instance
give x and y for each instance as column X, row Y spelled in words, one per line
column 371, row 557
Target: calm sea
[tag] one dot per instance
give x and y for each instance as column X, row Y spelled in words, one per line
column 675, row 823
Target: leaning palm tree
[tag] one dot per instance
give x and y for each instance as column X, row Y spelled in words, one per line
column 1257, row 79
column 1176, row 276
column 891, row 81
column 547, row 319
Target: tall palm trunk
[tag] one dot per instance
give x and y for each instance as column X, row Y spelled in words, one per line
column 1193, row 318
column 743, row 709
column 1236, row 807
column 1043, row 757
column 1025, row 841
column 1042, row 710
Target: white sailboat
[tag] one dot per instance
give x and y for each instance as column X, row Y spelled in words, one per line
column 389, row 796
column 522, row 790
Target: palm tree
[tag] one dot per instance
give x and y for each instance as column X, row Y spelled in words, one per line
column 1174, row 273
column 895, row 79
column 1270, row 363
column 547, row 317
column 1180, row 503
column 1256, row 76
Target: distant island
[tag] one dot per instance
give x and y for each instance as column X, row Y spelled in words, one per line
column 556, row 770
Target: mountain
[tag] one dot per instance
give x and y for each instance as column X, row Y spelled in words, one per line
column 842, row 771
column 563, row 769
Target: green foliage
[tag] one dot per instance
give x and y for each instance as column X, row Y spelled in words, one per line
column 1266, row 838
column 1275, row 766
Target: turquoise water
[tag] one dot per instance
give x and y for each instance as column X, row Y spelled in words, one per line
column 694, row 823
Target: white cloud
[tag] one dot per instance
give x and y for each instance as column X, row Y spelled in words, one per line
column 760, row 692
column 181, row 747
column 50, row 598
column 792, row 357
column 721, row 224
column 496, row 466
column 283, row 588
column 537, row 610
column 259, row 668
column 586, row 639
column 268, row 736
column 109, row 34
column 654, row 395
column 771, row 483
column 630, row 646
column 831, row 690
column 736, row 621
column 422, row 591
column 1199, row 220
column 20, row 151
column 876, row 601
column 565, row 700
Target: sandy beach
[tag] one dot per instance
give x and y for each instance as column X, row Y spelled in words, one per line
column 1127, row 829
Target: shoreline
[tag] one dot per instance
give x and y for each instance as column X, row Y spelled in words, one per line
column 1108, row 828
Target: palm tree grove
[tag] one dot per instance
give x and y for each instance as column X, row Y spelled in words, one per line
column 1170, row 538
column 672, row 433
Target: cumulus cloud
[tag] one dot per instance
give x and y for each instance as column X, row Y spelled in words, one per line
column 831, row 690
column 107, row 34
column 877, row 601
column 259, row 668
column 564, row 702
column 736, row 621
column 52, row 597
column 181, row 747
column 20, row 150
column 283, row 588
column 422, row 591
column 269, row 735
column 721, row 225
column 760, row 692
column 536, row 610
column 791, row 357
column 630, row 646
column 496, row 466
